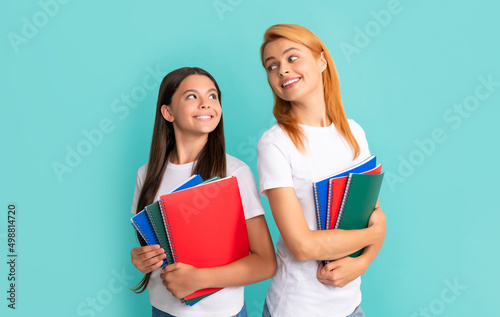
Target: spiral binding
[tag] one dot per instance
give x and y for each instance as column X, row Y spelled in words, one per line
column 157, row 232
column 344, row 201
column 155, row 228
column 136, row 224
column 318, row 206
column 329, row 205
column 168, row 230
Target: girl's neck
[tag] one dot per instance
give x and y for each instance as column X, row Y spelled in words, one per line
column 311, row 111
column 187, row 148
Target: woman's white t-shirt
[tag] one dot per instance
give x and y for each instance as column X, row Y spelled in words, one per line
column 228, row 301
column 295, row 289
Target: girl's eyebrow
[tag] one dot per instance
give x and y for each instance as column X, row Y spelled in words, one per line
column 284, row 52
column 190, row 90
column 197, row 92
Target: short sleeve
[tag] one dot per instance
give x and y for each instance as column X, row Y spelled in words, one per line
column 359, row 134
column 250, row 197
column 273, row 167
column 138, row 186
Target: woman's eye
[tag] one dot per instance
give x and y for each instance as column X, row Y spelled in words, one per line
column 271, row 68
column 292, row 58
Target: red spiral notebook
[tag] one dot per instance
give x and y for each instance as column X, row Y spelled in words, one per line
column 336, row 187
column 206, row 225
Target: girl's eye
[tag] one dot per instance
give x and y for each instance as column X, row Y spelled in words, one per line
column 213, row 96
column 191, row 96
column 271, row 68
column 292, row 58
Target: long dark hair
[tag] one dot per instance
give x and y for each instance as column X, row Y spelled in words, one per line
column 211, row 161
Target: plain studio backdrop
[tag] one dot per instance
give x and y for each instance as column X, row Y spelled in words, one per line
column 79, row 86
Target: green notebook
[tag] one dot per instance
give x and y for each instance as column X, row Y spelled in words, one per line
column 211, row 179
column 156, row 219
column 193, row 301
column 359, row 201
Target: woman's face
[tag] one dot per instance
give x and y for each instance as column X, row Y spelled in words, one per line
column 195, row 107
column 293, row 71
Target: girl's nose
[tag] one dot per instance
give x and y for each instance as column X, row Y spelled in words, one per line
column 204, row 104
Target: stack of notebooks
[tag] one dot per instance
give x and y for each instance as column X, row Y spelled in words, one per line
column 347, row 199
column 200, row 223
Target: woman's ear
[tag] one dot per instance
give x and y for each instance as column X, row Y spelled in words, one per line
column 166, row 113
column 322, row 61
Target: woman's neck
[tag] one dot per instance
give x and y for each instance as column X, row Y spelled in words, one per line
column 187, row 148
column 311, row 110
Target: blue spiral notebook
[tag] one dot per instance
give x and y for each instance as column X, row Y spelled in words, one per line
column 190, row 182
column 320, row 188
column 148, row 225
column 142, row 224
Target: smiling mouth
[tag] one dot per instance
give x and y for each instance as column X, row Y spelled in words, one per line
column 290, row 82
column 206, row 117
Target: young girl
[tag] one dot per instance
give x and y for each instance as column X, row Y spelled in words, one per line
column 188, row 138
column 312, row 139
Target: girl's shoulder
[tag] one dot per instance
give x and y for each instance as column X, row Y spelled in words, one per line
column 235, row 165
column 141, row 173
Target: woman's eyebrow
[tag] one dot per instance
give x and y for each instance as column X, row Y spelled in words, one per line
column 284, row 52
column 289, row 49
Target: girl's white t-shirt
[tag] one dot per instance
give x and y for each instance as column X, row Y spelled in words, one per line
column 228, row 301
column 295, row 289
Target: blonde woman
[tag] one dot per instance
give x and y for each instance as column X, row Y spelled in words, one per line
column 312, row 139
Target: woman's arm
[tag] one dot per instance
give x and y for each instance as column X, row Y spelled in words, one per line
column 183, row 279
column 343, row 271
column 306, row 244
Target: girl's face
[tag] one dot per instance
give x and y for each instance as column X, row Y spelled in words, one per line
column 195, row 108
column 293, row 71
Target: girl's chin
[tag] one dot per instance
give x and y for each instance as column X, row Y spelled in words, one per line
column 206, row 130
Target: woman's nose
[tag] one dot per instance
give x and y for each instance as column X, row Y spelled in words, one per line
column 283, row 71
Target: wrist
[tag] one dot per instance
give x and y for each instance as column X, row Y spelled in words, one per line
column 203, row 278
column 377, row 233
column 363, row 263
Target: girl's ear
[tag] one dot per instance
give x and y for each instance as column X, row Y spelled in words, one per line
column 322, row 61
column 166, row 113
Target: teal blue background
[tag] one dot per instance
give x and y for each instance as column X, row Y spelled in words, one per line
column 74, row 235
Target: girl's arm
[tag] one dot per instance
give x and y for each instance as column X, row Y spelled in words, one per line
column 343, row 271
column 306, row 244
column 183, row 279
column 148, row 258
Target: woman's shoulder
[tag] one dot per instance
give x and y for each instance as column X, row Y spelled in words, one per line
column 355, row 127
column 275, row 135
